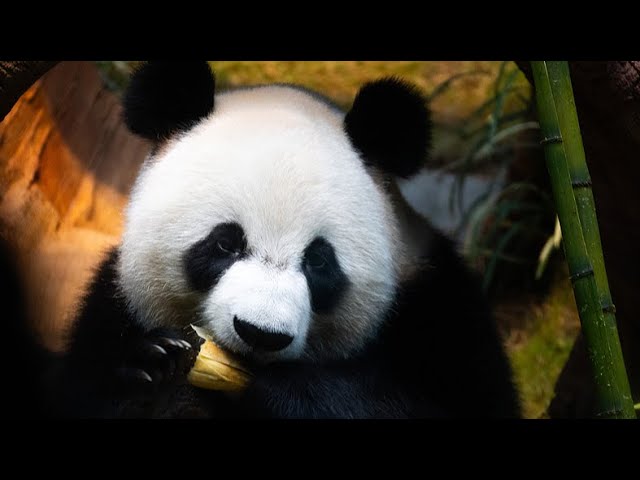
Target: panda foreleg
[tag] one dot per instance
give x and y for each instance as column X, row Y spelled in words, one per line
column 113, row 366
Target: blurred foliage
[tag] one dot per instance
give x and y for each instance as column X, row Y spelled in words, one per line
column 484, row 125
column 116, row 74
column 505, row 232
column 505, row 228
column 340, row 81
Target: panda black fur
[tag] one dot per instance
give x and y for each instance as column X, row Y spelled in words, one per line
column 296, row 250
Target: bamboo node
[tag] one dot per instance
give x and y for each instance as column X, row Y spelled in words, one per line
column 581, row 274
column 551, row 139
column 581, row 183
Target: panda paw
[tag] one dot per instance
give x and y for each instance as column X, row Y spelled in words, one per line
column 154, row 360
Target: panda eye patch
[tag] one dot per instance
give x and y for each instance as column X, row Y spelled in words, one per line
column 326, row 280
column 206, row 260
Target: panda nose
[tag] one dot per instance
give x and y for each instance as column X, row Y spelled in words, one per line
column 260, row 339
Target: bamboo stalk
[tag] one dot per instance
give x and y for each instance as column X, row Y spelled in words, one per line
column 565, row 156
column 581, row 183
column 580, row 178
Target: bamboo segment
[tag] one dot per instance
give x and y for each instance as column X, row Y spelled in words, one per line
column 564, row 156
column 215, row 369
column 580, row 178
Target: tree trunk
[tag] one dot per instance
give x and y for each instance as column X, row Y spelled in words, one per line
column 607, row 96
column 66, row 166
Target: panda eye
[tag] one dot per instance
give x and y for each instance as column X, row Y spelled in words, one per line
column 325, row 279
column 227, row 239
column 319, row 255
column 227, row 245
column 315, row 261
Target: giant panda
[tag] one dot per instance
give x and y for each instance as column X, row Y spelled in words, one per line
column 272, row 219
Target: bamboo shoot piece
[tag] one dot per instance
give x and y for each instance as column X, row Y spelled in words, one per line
column 215, row 369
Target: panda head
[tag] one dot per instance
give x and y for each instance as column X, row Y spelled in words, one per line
column 263, row 214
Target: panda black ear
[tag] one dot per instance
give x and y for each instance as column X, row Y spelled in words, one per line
column 390, row 124
column 167, row 97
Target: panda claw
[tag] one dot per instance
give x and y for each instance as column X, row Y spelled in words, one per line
column 158, row 349
column 135, row 374
column 175, row 343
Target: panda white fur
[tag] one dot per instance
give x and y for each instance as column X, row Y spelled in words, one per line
column 270, row 218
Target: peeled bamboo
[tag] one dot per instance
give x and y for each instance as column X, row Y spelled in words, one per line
column 215, row 369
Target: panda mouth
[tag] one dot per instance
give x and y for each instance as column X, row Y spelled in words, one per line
column 209, row 334
column 248, row 355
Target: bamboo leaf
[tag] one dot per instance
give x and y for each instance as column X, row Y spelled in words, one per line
column 488, row 147
column 493, row 262
column 552, row 243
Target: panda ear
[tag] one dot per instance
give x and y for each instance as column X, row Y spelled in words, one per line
column 167, row 97
column 390, row 124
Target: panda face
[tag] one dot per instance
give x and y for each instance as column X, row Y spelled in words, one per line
column 262, row 225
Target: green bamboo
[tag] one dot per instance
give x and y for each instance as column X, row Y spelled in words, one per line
column 580, row 178
column 565, row 156
column 581, row 182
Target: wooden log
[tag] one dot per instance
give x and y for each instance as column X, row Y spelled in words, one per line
column 67, row 164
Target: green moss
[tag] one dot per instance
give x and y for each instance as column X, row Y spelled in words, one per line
column 540, row 347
